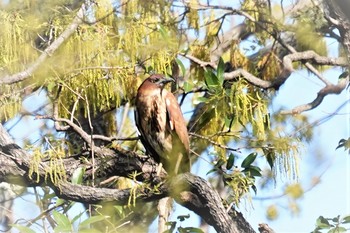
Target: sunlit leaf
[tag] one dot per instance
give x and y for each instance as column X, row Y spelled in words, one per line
column 337, row 230
column 188, row 87
column 90, row 230
column 61, row 219
column 322, row 223
column 78, row 216
column 182, row 67
column 86, row 223
column 346, row 219
column 23, row 229
column 77, row 177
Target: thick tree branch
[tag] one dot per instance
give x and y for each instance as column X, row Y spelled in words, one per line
column 189, row 190
column 28, row 72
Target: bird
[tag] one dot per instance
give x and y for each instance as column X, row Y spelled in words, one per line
column 161, row 125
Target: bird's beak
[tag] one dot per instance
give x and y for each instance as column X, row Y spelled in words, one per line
column 167, row 79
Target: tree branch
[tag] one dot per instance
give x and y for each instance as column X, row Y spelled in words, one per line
column 285, row 73
column 28, row 72
column 189, row 190
column 329, row 89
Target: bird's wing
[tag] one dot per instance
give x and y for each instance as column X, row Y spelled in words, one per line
column 149, row 149
column 176, row 121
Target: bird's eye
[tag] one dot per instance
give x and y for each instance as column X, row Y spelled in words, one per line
column 155, row 80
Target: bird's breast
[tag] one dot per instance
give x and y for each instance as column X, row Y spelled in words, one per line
column 154, row 123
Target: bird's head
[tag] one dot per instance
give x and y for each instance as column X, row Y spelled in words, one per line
column 160, row 80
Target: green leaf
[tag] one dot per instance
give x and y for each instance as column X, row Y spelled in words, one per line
column 77, row 176
column 86, row 223
column 230, row 161
column 22, row 228
column 336, row 219
column 228, row 122
column 270, row 157
column 120, row 210
column 220, row 71
column 62, row 229
column 90, row 230
column 78, row 216
column 60, row 201
column 343, row 75
column 346, row 219
column 253, row 171
column 211, row 171
column 203, row 99
column 172, row 225
column 61, row 219
column 219, row 163
column 188, row 87
column 50, row 86
column 249, row 160
column 337, row 230
column 163, row 32
column 179, row 62
column 255, row 189
column 211, row 81
column 322, row 223
column 182, row 218
column 49, row 196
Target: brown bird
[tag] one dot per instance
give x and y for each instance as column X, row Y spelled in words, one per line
column 161, row 124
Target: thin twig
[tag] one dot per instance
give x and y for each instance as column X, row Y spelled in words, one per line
column 213, row 142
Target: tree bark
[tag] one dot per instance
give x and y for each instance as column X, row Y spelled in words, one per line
column 189, row 190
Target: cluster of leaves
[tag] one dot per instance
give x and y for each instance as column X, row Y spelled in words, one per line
column 239, row 179
column 332, row 225
column 234, row 104
column 241, row 107
column 180, row 229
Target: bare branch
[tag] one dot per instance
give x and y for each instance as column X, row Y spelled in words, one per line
column 329, row 89
column 213, row 142
column 286, row 70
